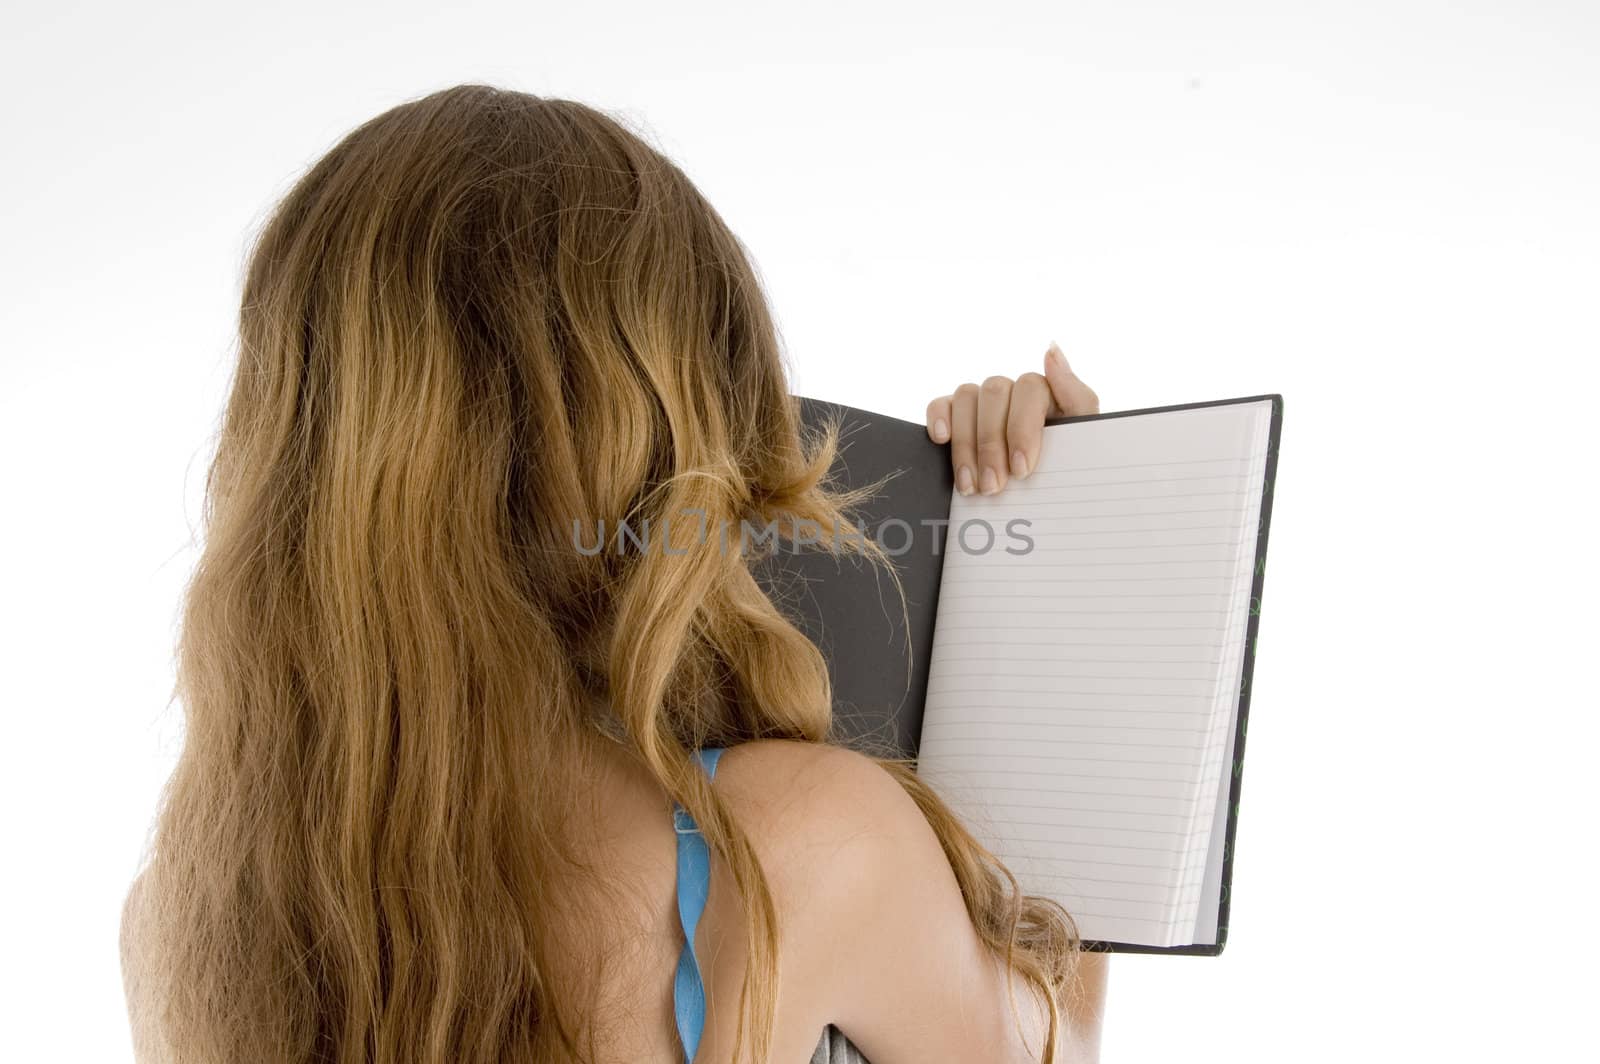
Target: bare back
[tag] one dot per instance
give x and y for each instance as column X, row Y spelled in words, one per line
column 876, row 949
column 632, row 836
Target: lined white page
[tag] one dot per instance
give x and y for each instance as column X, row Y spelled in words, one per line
column 1082, row 690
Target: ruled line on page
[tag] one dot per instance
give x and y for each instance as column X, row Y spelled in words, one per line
column 1188, row 747
column 1079, row 727
column 1008, row 755
column 1042, row 472
column 1176, row 799
column 1140, row 480
column 1079, row 675
column 947, row 690
column 1097, row 847
column 1059, row 612
column 1121, row 864
column 1053, row 822
column 1030, row 724
column 1052, row 591
column 1091, row 776
column 1136, row 531
column 932, row 760
column 1035, row 739
column 987, row 659
column 1105, row 879
column 1142, row 498
column 1079, row 516
column 957, row 627
column 1035, row 578
column 1060, row 709
column 1001, row 556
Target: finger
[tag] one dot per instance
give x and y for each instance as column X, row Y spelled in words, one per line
column 1072, row 396
column 1030, row 405
column 994, row 406
column 964, row 436
column 939, row 420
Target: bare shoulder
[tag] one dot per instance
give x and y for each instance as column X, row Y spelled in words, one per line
column 811, row 806
column 878, row 938
column 824, row 821
column 771, row 774
column 836, row 834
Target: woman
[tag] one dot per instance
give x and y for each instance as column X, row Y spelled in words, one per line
column 425, row 806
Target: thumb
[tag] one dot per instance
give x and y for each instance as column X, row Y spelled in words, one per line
column 1072, row 396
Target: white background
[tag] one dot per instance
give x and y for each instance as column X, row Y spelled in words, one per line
column 1387, row 212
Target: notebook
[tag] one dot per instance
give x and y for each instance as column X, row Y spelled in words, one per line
column 1072, row 673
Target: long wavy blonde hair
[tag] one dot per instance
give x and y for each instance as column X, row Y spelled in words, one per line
column 482, row 317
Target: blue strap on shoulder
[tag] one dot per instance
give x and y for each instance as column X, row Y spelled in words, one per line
column 694, row 884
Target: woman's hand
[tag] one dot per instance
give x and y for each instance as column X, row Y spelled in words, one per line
column 994, row 430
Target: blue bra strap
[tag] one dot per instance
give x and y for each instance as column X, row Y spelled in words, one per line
column 694, row 884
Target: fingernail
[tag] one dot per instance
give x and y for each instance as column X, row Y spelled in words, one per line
column 941, row 430
column 991, row 481
column 964, row 480
column 1055, row 353
column 1019, row 464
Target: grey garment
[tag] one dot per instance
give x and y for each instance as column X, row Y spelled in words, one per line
column 835, row 1048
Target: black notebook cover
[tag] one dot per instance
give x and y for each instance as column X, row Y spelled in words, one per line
column 853, row 614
